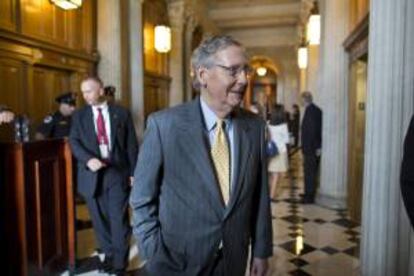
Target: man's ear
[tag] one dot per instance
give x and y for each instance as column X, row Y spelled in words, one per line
column 202, row 76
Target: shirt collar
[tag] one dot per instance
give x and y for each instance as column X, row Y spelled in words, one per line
column 210, row 117
column 103, row 106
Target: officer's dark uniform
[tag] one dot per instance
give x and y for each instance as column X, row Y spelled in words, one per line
column 57, row 125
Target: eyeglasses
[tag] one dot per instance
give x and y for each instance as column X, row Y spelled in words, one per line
column 234, row 71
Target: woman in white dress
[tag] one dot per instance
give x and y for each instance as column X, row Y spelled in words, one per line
column 279, row 133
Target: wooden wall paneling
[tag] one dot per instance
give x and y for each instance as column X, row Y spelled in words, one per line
column 47, row 84
column 12, row 78
column 47, row 207
column 8, row 14
column 12, row 208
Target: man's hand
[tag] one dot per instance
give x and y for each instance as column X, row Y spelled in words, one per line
column 6, row 116
column 259, row 267
column 131, row 181
column 94, row 164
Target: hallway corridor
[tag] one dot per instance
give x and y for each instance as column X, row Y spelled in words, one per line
column 310, row 239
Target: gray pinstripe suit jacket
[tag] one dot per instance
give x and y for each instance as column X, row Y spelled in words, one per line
column 178, row 214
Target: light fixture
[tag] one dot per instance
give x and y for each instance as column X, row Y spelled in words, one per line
column 162, row 38
column 67, row 4
column 313, row 31
column 303, row 56
column 261, row 71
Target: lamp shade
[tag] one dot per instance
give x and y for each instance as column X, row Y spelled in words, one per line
column 261, row 71
column 314, row 29
column 303, row 57
column 67, row 4
column 162, row 38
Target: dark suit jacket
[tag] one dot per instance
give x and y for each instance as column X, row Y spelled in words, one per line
column 311, row 135
column 407, row 172
column 84, row 145
column 179, row 218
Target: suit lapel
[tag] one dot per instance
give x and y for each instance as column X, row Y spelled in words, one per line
column 193, row 137
column 89, row 127
column 242, row 149
column 113, row 117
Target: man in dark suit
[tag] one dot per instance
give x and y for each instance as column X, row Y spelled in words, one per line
column 104, row 143
column 407, row 172
column 200, row 194
column 311, row 137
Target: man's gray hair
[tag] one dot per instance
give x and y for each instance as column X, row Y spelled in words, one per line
column 307, row 96
column 204, row 53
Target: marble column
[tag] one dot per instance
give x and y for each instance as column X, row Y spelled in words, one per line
column 332, row 98
column 109, row 44
column 136, row 64
column 176, row 12
column 386, row 247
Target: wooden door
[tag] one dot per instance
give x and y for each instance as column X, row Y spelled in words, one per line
column 357, row 107
column 48, row 83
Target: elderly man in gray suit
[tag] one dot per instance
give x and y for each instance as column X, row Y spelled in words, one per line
column 200, row 194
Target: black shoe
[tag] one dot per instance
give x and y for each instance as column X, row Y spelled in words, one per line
column 106, row 265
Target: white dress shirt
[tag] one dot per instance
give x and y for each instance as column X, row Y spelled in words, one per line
column 105, row 113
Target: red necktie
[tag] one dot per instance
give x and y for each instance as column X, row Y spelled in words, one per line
column 100, row 126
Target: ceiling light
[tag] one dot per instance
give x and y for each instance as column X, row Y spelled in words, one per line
column 67, row 4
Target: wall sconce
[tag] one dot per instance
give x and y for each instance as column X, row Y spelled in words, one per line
column 162, row 38
column 313, row 31
column 303, row 56
column 67, row 4
column 261, row 71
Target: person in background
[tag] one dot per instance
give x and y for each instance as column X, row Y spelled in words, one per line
column 407, row 172
column 58, row 124
column 311, row 139
column 6, row 115
column 110, row 93
column 200, row 197
column 278, row 132
column 295, row 124
column 105, row 146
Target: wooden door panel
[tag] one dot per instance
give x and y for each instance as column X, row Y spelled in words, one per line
column 12, row 78
column 8, row 14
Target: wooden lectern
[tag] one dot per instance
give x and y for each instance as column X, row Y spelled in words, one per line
column 37, row 207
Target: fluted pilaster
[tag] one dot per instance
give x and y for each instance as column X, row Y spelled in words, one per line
column 385, row 231
column 333, row 94
column 136, row 64
column 109, row 43
column 176, row 12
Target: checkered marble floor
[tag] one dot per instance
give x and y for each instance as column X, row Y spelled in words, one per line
column 307, row 239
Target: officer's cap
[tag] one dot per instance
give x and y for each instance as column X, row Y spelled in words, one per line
column 67, row 98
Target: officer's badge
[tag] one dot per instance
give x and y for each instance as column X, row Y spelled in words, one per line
column 48, row 119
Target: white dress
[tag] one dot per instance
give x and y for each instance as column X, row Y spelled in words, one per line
column 280, row 135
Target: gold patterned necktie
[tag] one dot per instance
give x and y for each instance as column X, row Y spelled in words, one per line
column 221, row 159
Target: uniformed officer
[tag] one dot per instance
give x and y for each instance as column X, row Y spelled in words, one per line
column 58, row 124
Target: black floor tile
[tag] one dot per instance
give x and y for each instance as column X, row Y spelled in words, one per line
column 344, row 222
column 353, row 251
column 329, row 250
column 320, row 221
column 295, row 219
column 299, row 272
column 298, row 262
